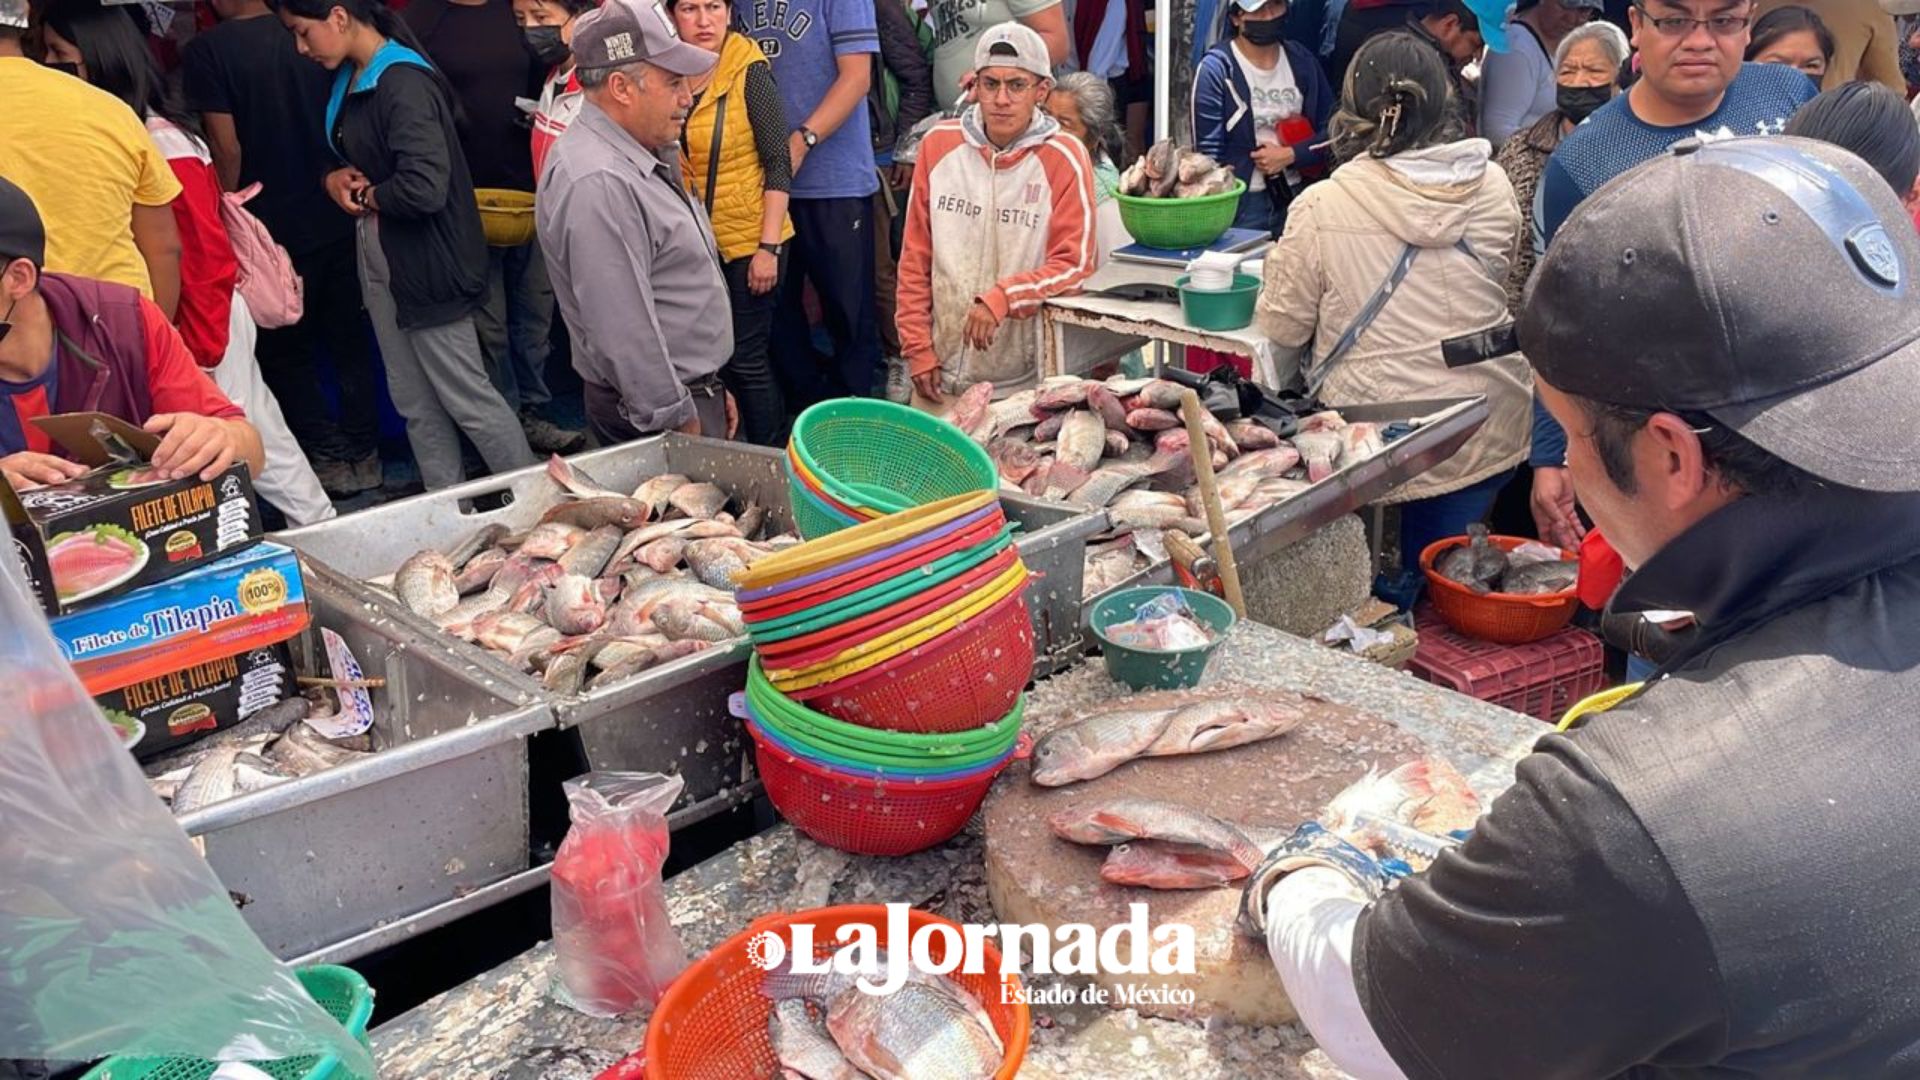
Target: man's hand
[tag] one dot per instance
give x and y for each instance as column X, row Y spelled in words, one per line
column 928, row 386
column 192, row 443
column 763, row 272
column 982, row 325
column 901, row 177
column 27, row 469
column 1273, row 160
column 733, row 415
column 1553, row 508
column 343, row 185
column 796, row 151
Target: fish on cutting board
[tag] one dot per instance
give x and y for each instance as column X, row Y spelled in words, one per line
column 1107, row 822
column 1164, row 723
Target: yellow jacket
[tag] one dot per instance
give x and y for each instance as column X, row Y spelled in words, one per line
column 719, row 144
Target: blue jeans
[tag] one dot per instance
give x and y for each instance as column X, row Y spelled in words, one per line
column 1258, row 210
column 1639, row 668
column 1423, row 521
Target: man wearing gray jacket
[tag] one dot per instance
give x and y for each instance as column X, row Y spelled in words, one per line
column 632, row 257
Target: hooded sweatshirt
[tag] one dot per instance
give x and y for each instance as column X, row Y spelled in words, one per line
column 1009, row 228
column 1344, row 238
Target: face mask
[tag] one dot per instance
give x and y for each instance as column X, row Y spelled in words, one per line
column 546, row 44
column 1262, row 32
column 64, row 67
column 6, row 321
column 1576, row 103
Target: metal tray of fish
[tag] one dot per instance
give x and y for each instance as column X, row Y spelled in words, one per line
column 333, row 865
column 673, row 717
column 1448, row 423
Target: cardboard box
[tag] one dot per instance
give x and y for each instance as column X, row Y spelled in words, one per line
column 116, row 529
column 250, row 600
column 159, row 714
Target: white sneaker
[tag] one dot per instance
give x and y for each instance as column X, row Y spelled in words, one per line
column 899, row 383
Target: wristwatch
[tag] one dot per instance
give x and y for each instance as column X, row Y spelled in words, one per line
column 772, row 249
column 809, row 136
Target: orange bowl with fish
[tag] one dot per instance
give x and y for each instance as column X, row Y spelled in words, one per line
column 712, row 1023
column 1502, row 618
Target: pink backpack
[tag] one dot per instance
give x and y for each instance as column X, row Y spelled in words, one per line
column 266, row 281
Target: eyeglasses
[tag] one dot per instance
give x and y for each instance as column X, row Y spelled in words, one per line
column 1676, row 26
column 991, row 88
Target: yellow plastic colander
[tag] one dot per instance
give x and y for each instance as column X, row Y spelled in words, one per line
column 829, row 551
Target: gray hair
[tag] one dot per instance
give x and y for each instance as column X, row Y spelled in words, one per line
column 1611, row 39
column 595, row 78
column 1098, row 110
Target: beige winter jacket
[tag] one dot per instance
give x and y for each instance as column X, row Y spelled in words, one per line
column 1343, row 238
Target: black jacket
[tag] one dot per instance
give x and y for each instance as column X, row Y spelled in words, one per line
column 1714, row 878
column 900, row 54
column 397, row 127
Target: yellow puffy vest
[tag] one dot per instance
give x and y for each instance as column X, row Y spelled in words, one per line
column 739, row 181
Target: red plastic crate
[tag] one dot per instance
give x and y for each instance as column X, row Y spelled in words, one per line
column 1542, row 679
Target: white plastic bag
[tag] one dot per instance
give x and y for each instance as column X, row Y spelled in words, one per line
column 615, row 949
column 115, row 936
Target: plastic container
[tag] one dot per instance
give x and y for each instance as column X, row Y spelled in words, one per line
column 948, row 749
column 897, row 532
column 1502, row 618
column 854, row 771
column 1158, row 669
column 954, row 683
column 506, row 216
column 339, row 990
column 800, row 617
column 876, row 454
column 868, row 816
column 928, row 628
column 712, row 1025
column 1542, row 679
column 1227, row 309
column 902, row 615
column 1179, row 223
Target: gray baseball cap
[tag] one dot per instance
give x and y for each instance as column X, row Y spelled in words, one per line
column 13, row 13
column 623, row 32
column 1013, row 45
column 1771, row 283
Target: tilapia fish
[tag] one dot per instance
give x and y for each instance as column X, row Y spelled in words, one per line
column 1158, row 864
column 803, row 1045
column 931, row 1028
column 1162, row 724
column 591, row 513
column 1119, row 820
column 655, row 493
column 698, row 500
column 575, row 481
column 1427, row 794
column 425, row 583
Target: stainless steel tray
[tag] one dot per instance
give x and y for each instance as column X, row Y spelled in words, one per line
column 1452, row 421
column 672, row 718
column 324, row 864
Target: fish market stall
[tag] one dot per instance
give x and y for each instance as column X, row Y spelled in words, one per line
column 1125, row 305
column 504, row 1023
column 665, row 711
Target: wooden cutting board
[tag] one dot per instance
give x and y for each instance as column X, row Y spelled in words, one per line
column 1035, row 877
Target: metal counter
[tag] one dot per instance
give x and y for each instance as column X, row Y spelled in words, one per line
column 332, row 866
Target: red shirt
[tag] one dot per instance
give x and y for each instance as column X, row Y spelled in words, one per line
column 208, row 269
column 174, row 382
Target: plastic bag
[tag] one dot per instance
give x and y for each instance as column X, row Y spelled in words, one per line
column 115, row 936
column 1164, row 622
column 614, row 946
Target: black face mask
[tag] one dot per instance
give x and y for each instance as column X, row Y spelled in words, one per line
column 64, row 67
column 1262, row 32
column 1576, row 103
column 6, row 321
column 546, row 44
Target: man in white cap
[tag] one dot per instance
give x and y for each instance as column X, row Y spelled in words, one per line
column 1001, row 218
column 633, row 259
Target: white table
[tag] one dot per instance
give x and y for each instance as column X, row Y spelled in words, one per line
column 1085, row 330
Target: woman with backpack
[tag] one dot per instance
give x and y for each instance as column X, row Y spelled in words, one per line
column 1406, row 246
column 735, row 160
column 108, row 48
column 423, row 259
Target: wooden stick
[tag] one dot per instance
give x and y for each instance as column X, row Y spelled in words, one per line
column 374, row 683
column 1202, row 453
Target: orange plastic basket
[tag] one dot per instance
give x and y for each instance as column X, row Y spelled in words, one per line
column 712, row 1022
column 1504, row 618
column 959, row 681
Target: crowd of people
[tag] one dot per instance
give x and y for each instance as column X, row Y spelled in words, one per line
column 716, row 214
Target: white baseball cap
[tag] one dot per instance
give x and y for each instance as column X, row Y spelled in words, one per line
column 1012, row 45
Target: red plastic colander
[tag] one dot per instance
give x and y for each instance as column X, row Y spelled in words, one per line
column 964, row 679
column 808, row 649
column 854, row 578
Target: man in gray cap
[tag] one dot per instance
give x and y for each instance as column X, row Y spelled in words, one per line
column 633, row 259
column 1707, row 878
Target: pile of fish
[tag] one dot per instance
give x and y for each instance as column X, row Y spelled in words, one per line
column 1484, row 568
column 1169, row 171
column 605, row 585
column 270, row 747
column 1120, row 444
column 824, row 1027
column 1165, row 723
column 1409, row 814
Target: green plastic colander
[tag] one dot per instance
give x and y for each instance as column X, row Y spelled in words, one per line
column 874, row 597
column 339, row 990
column 870, row 745
column 888, row 457
column 1175, row 224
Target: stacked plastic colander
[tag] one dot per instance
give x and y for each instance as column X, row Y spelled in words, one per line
column 885, row 691
column 852, row 460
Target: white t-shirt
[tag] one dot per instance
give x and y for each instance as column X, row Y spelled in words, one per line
column 1275, row 97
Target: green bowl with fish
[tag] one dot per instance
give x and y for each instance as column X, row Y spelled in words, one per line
column 1176, row 224
column 1158, row 669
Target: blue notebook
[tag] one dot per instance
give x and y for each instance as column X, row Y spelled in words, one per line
column 1230, row 241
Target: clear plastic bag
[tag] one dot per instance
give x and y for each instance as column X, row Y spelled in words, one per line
column 614, row 947
column 1164, row 622
column 115, row 936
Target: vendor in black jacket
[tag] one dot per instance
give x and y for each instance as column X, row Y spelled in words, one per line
column 423, row 260
column 1715, row 878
